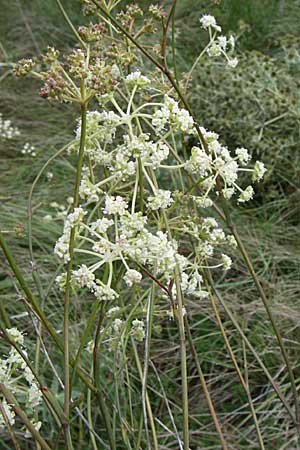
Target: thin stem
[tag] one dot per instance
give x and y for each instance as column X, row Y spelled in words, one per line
column 236, row 366
column 181, row 327
column 102, row 404
column 148, row 404
column 149, row 321
column 204, row 385
column 70, row 23
column 37, row 309
column 67, row 389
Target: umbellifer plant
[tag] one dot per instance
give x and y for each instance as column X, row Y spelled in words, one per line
column 142, row 239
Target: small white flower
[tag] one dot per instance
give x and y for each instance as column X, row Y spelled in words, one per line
column 90, row 346
column 231, row 42
column 243, row 155
column 34, row 395
column 7, row 131
column 222, row 40
column 83, row 276
column 104, row 293
column 117, row 326
column 258, row 171
column 132, row 277
column 115, row 205
column 208, row 21
column 138, row 329
column 232, row 62
column 9, row 413
column 112, row 311
column 203, row 202
column 101, row 225
column 49, row 176
column 16, row 335
column 246, row 195
column 226, row 261
column 228, row 193
column 137, row 78
column 162, row 199
column 37, row 426
column 47, row 218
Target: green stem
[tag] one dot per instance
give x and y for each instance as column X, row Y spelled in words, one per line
column 37, row 309
column 83, row 342
column 204, row 386
column 70, row 23
column 147, row 353
column 181, row 328
column 67, row 386
column 102, row 404
column 236, row 366
column 148, row 404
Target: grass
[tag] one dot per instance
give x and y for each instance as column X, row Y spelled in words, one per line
column 269, row 230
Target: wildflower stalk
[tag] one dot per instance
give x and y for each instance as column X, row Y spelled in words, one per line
column 182, row 340
column 229, row 223
column 89, row 415
column 147, row 353
column 204, row 385
column 70, row 23
column 102, row 405
column 11, row 400
column 236, row 366
column 83, row 342
column 67, row 386
column 148, row 404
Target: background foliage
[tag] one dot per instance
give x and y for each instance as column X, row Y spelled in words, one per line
column 256, row 106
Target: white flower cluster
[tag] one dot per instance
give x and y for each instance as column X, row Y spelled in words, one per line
column 100, row 131
column 219, row 44
column 191, row 285
column 132, row 277
column 216, row 161
column 61, row 248
column 13, row 373
column 28, row 149
column 118, row 327
column 133, row 151
column 173, row 116
column 138, row 329
column 7, row 130
column 207, row 21
column 88, row 190
column 137, row 79
column 161, row 200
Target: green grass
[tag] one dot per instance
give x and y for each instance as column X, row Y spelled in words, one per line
column 269, row 229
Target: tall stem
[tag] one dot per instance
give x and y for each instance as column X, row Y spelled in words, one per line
column 182, row 340
column 69, row 272
column 204, row 386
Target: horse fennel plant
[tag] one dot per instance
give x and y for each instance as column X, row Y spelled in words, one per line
column 137, row 240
